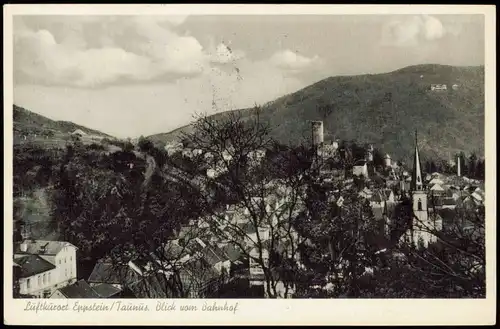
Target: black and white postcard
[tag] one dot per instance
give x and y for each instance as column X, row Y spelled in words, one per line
column 249, row 164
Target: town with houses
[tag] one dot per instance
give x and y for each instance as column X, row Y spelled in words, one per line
column 205, row 262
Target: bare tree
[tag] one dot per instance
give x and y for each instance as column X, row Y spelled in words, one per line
column 267, row 193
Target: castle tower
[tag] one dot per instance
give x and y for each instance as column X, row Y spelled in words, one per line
column 317, row 133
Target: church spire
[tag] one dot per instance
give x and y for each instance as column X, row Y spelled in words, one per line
column 416, row 177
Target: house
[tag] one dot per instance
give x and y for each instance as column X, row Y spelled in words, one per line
column 438, row 87
column 79, row 133
column 172, row 148
column 105, row 290
column 44, row 266
column 328, row 150
column 360, row 169
column 128, row 280
column 187, row 153
column 449, row 203
column 389, row 195
column 256, row 156
column 79, row 289
column 455, row 86
column 255, row 268
column 197, row 152
column 387, row 160
column 366, row 193
column 452, row 193
column 199, row 279
column 212, row 254
column 435, row 180
column 437, row 189
column 478, row 197
column 377, row 199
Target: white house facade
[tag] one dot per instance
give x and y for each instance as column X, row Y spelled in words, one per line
column 45, row 266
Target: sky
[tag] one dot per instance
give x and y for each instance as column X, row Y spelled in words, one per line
column 140, row 75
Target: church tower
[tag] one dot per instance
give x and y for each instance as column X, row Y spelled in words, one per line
column 421, row 221
column 418, row 195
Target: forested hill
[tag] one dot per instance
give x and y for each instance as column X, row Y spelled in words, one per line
column 28, row 123
column 386, row 109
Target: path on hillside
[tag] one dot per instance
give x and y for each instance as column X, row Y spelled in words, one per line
column 36, row 215
column 150, row 169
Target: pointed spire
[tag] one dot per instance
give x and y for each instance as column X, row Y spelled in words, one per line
column 416, row 177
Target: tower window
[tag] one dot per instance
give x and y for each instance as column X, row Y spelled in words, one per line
column 419, row 205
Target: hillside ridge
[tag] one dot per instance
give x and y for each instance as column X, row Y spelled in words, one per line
column 384, row 109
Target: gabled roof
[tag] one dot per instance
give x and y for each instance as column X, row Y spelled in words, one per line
column 79, row 289
column 232, row 252
column 377, row 197
column 436, row 181
column 199, row 271
column 106, row 290
column 79, row 132
column 477, row 196
column 360, row 163
column 32, row 264
column 151, row 286
column 437, row 187
column 449, row 201
column 106, row 272
column 388, row 193
column 42, row 247
column 213, row 254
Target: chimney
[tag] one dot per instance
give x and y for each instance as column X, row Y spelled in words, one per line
column 24, row 246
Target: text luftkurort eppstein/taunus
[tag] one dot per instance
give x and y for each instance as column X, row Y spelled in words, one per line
column 119, row 306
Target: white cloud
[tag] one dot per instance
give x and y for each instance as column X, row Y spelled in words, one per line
column 138, row 48
column 290, row 60
column 412, row 30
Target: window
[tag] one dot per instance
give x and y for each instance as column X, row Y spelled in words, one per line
column 419, row 205
column 39, row 280
column 64, row 260
column 28, row 283
column 44, row 278
column 59, row 262
column 66, row 272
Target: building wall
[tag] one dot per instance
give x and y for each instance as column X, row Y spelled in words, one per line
column 35, row 285
column 64, row 274
column 66, row 264
column 58, row 295
column 360, row 171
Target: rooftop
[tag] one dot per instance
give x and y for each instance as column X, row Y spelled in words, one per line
column 32, row 264
column 42, row 247
column 79, row 289
column 105, row 272
column 106, row 290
